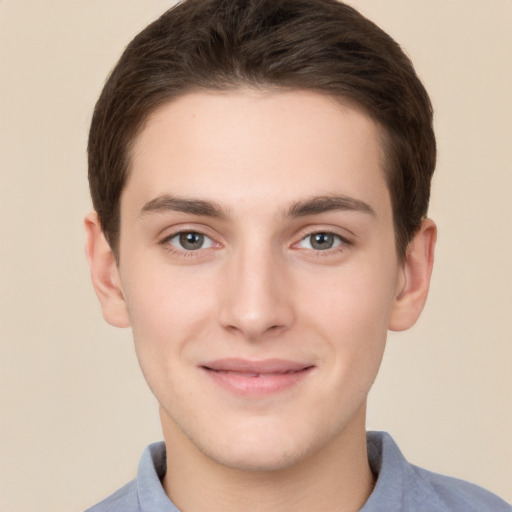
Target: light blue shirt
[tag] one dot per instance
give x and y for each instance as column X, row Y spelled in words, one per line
column 400, row 487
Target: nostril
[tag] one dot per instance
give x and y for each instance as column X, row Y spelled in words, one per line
column 254, row 305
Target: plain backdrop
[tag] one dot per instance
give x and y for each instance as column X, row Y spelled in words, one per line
column 75, row 413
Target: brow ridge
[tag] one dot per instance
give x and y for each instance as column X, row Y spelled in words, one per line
column 322, row 204
column 312, row 206
column 168, row 202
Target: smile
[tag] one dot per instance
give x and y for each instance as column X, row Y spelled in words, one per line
column 256, row 378
column 256, row 374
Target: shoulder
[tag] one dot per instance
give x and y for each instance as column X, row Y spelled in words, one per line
column 401, row 486
column 454, row 494
column 146, row 491
column 123, row 500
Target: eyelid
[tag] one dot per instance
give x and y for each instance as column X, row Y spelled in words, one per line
column 204, row 230
column 344, row 234
column 336, row 237
column 345, row 242
column 169, row 231
column 176, row 231
column 206, row 238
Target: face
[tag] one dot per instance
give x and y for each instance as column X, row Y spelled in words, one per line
column 259, row 271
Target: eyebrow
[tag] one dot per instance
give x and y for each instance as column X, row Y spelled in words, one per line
column 167, row 203
column 322, row 204
column 312, row 206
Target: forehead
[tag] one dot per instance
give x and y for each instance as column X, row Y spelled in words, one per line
column 248, row 144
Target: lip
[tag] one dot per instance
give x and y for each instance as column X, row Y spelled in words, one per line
column 256, row 378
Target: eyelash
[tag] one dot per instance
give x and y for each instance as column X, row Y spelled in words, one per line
column 343, row 244
column 186, row 252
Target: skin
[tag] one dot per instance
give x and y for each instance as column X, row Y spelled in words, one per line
column 259, row 174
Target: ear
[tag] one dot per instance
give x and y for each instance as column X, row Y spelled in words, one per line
column 414, row 280
column 105, row 274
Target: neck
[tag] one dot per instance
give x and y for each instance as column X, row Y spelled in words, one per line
column 335, row 478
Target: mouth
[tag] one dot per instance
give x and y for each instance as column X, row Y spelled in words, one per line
column 256, row 378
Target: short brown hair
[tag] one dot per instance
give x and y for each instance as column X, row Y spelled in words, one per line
column 318, row 45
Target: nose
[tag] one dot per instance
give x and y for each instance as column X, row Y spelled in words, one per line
column 257, row 299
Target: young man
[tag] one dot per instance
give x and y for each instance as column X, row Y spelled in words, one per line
column 260, row 172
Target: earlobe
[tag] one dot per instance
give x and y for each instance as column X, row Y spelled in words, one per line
column 414, row 280
column 104, row 274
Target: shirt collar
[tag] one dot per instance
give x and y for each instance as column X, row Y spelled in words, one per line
column 150, row 492
column 385, row 458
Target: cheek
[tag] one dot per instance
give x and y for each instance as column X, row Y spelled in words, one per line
column 165, row 315
column 352, row 313
column 353, row 299
column 166, row 310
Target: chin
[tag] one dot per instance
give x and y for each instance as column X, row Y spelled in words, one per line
column 263, row 448
column 263, row 458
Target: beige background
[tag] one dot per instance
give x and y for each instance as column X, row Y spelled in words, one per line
column 75, row 412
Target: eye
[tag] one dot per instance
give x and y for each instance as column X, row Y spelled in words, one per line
column 190, row 241
column 321, row 241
